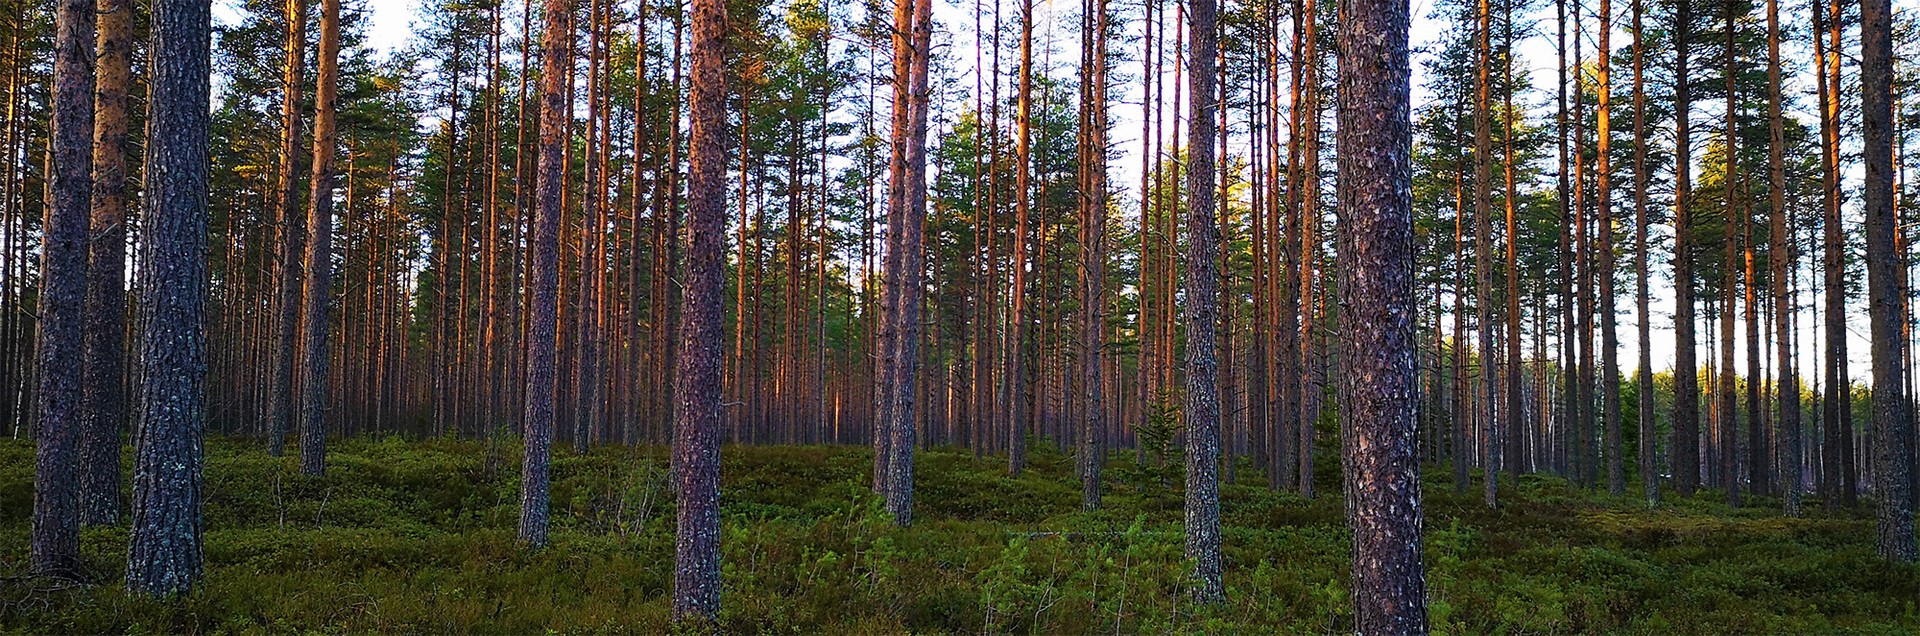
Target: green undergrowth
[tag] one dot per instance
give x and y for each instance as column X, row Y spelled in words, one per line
column 418, row 537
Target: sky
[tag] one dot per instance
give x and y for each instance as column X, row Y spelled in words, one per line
column 392, row 23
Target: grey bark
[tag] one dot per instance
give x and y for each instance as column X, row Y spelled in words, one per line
column 1202, row 311
column 55, row 542
column 164, row 552
column 697, row 390
column 1892, row 428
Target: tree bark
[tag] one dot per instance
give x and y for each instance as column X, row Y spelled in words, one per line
column 1780, row 259
column 1649, row 471
column 696, row 444
column 543, row 340
column 164, row 552
column 1686, row 387
column 1838, row 485
column 55, row 543
column 104, row 415
column 319, row 294
column 1017, row 424
column 1892, row 430
column 1376, row 318
column 1203, row 312
column 1609, row 334
column 1093, row 265
column 286, row 320
column 1729, row 415
column 1484, row 411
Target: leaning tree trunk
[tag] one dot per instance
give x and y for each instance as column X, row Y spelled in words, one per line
column 313, row 353
column 542, row 336
column 104, row 415
column 1203, row 313
column 164, row 552
column 1892, row 431
column 55, row 544
column 1378, row 376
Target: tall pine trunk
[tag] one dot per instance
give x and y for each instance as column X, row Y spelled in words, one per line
column 1892, row 430
column 1643, row 378
column 1484, row 411
column 314, row 324
column 697, row 390
column 1376, row 251
column 1203, row 312
column 292, row 228
column 1603, row 197
column 104, row 415
column 544, row 287
column 1686, row 386
column 55, row 543
column 1780, row 259
column 164, row 550
column 1093, row 241
column 1017, row 424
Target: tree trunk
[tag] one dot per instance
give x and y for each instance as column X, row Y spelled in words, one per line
column 286, row 320
column 544, row 288
column 313, row 378
column 1516, row 430
column 696, row 444
column 1649, row 471
column 1780, row 259
column 164, row 552
column 1609, row 335
column 1484, row 410
column 1203, row 312
column 1376, row 319
column 1017, row 424
column 1892, row 430
column 1837, row 412
column 1686, row 387
column 55, row 544
column 1093, row 241
column 104, row 415
column 1729, row 416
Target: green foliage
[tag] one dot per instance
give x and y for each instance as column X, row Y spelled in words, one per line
column 413, row 537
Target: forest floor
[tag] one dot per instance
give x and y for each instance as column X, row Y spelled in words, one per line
column 419, row 537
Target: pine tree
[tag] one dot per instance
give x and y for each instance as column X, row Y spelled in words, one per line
column 104, row 413
column 1787, row 387
column 544, row 284
column 1376, row 319
column 1203, row 311
column 314, row 322
column 164, row 555
column 1892, row 428
column 55, row 543
column 696, row 446
column 292, row 233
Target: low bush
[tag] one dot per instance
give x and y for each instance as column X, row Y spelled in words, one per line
column 408, row 537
